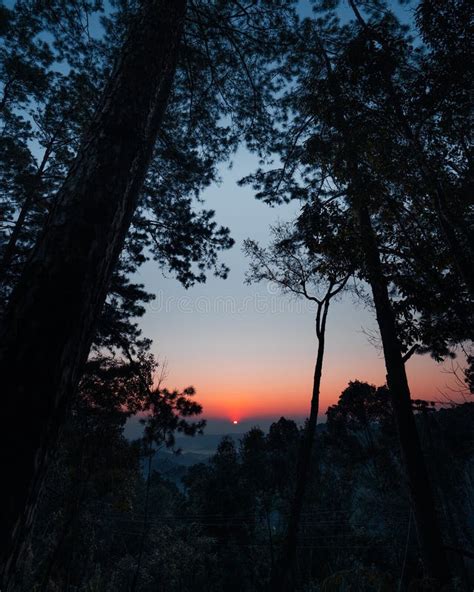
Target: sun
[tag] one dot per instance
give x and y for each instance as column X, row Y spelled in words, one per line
column 235, row 422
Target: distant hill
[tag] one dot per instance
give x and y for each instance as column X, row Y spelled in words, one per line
column 193, row 451
column 206, row 444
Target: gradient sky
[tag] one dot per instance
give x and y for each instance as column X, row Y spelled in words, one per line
column 249, row 351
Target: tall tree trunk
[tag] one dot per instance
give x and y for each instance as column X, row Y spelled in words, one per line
column 460, row 308
column 51, row 318
column 429, row 533
column 280, row 579
column 145, row 527
column 452, row 225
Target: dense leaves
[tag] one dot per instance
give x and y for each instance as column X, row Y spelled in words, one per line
column 362, row 116
column 221, row 526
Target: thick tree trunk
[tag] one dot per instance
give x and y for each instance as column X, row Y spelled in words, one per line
column 145, row 527
column 50, row 321
column 429, row 533
column 280, row 579
column 451, row 224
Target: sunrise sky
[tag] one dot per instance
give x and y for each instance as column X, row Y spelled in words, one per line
column 248, row 350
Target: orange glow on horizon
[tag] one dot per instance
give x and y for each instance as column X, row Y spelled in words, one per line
column 268, row 390
column 259, row 393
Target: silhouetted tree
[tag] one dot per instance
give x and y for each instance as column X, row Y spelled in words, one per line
column 96, row 487
column 296, row 270
column 343, row 137
column 63, row 286
column 167, row 414
column 56, row 121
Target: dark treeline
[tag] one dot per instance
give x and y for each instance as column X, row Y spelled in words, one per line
column 221, row 528
column 115, row 117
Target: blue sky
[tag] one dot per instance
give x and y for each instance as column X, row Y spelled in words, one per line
column 248, row 351
column 234, row 341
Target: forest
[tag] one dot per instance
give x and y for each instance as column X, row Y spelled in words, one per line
column 117, row 118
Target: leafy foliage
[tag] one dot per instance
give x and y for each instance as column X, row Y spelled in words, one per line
column 221, row 525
